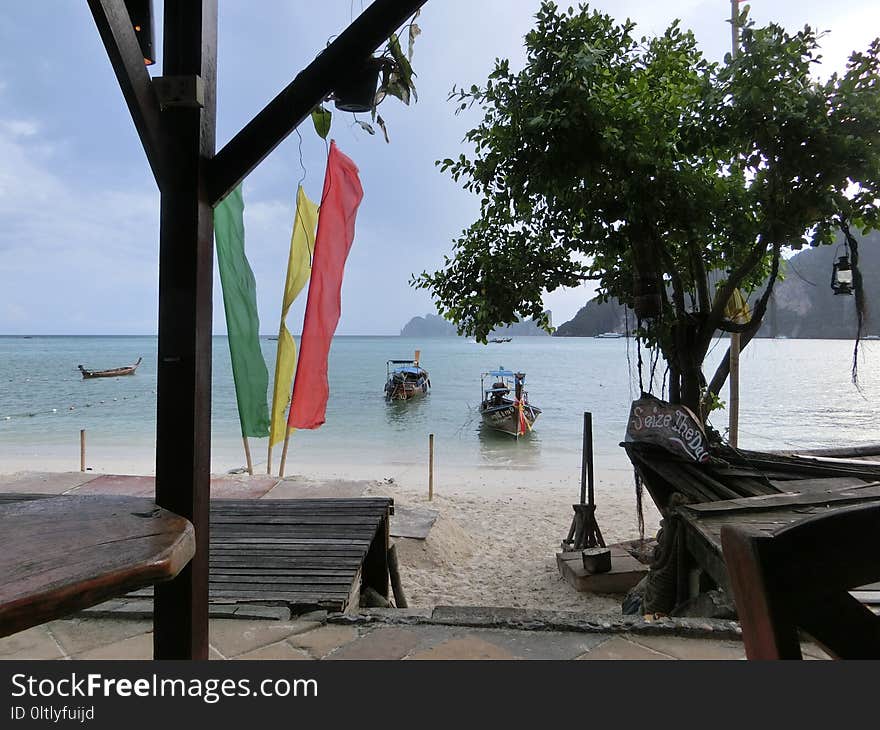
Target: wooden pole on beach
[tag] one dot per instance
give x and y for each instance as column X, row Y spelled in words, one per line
column 82, row 449
column 284, row 454
column 430, row 467
column 733, row 406
column 247, row 455
column 733, row 423
column 269, row 461
column 587, row 496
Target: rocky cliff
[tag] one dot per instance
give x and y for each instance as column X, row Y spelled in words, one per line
column 802, row 305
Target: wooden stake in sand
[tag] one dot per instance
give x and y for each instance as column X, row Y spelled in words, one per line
column 733, row 424
column 430, row 466
column 247, row 454
column 284, row 454
column 269, row 461
column 82, row 449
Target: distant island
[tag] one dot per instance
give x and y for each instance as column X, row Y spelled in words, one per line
column 432, row 325
column 802, row 304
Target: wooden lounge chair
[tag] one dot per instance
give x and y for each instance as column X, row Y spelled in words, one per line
column 799, row 577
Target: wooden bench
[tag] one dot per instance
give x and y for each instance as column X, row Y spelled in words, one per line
column 800, row 576
column 62, row 554
column 701, row 549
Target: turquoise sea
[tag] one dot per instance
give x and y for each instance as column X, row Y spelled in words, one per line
column 794, row 393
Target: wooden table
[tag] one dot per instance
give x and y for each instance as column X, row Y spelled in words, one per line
column 61, row 554
column 702, row 523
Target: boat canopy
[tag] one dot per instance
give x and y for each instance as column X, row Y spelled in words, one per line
column 410, row 370
column 501, row 373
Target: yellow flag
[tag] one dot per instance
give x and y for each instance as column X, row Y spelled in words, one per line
column 737, row 309
column 299, row 266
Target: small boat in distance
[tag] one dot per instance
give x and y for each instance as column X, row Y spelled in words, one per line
column 405, row 379
column 501, row 339
column 609, row 336
column 112, row 373
column 514, row 416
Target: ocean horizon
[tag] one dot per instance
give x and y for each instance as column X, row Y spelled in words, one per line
column 794, row 394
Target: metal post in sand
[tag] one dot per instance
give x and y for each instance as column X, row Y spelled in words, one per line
column 82, row 449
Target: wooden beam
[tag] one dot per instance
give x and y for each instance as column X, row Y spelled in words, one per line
column 114, row 25
column 186, row 260
column 287, row 110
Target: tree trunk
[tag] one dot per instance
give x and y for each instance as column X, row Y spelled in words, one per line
column 686, row 379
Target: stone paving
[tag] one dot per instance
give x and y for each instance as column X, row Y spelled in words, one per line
column 318, row 636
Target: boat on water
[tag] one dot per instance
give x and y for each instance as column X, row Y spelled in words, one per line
column 112, row 373
column 609, row 336
column 406, row 379
column 501, row 339
column 511, row 415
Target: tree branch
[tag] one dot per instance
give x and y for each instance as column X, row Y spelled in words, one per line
column 747, row 330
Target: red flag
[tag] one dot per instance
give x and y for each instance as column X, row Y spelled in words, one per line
column 339, row 203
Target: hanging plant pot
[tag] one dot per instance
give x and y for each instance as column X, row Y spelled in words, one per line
column 358, row 92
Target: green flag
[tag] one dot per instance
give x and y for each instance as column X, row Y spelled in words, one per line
column 242, row 321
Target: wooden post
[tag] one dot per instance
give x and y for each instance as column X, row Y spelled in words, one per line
column 733, row 406
column 269, row 461
column 247, row 455
column 284, row 454
column 587, row 496
column 430, row 467
column 186, row 261
column 82, row 449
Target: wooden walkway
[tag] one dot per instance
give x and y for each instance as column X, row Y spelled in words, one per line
column 299, row 553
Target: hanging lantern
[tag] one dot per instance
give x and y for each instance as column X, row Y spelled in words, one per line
column 140, row 12
column 842, row 276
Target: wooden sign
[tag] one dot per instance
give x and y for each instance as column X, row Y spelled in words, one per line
column 672, row 427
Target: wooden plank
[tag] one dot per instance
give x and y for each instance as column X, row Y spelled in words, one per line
column 824, row 484
column 868, row 491
column 54, row 556
column 283, row 582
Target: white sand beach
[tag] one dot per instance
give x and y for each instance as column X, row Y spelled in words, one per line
column 498, row 547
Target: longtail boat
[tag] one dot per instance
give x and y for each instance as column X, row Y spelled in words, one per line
column 112, row 373
column 405, row 379
column 514, row 416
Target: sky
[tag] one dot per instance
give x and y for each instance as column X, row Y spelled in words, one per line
column 79, row 210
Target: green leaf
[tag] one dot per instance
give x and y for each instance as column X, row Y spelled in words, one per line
column 381, row 123
column 321, row 118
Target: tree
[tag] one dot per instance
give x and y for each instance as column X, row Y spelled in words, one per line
column 639, row 164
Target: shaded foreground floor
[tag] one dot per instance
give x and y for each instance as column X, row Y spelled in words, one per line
column 314, row 638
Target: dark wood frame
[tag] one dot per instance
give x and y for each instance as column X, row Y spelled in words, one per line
column 180, row 143
column 799, row 577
